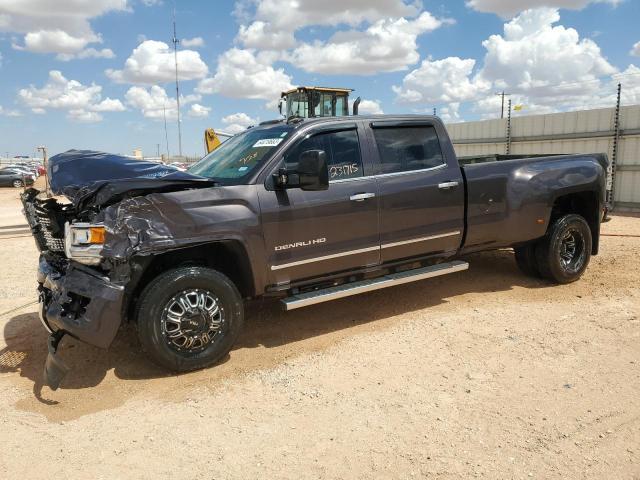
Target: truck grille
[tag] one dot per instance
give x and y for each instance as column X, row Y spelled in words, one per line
column 44, row 225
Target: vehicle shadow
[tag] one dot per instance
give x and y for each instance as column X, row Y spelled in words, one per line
column 266, row 326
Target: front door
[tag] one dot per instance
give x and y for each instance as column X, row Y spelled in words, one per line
column 421, row 194
column 314, row 233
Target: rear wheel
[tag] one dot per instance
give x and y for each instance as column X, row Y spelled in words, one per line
column 189, row 318
column 526, row 259
column 564, row 253
column 17, row 183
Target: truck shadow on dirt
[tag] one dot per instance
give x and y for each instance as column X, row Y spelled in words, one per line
column 266, row 325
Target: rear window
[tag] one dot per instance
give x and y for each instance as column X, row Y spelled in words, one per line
column 403, row 149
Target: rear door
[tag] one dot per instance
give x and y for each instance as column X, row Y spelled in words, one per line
column 311, row 234
column 421, row 190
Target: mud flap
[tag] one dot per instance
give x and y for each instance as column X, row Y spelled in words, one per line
column 54, row 368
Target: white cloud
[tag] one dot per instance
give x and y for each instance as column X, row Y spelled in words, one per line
column 370, row 107
column 55, row 27
column 283, row 22
column 635, row 50
column 546, row 67
column 153, row 62
column 243, row 74
column 387, row 45
column 441, row 81
column 263, row 35
column 154, row 102
column 509, row 8
column 192, row 42
column 199, row 111
column 87, row 53
column 238, row 122
column 82, row 102
column 535, row 55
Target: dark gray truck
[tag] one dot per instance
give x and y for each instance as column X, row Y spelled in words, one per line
column 306, row 210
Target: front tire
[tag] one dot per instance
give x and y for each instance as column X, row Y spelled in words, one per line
column 564, row 253
column 189, row 318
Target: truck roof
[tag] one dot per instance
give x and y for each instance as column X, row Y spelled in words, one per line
column 299, row 121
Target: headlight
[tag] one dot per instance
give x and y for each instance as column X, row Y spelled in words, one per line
column 83, row 242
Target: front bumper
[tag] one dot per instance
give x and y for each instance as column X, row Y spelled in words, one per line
column 76, row 300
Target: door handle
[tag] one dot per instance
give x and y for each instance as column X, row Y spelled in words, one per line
column 447, row 185
column 359, row 197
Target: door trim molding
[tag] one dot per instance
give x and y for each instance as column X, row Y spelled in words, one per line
column 363, row 250
column 421, row 239
column 325, row 257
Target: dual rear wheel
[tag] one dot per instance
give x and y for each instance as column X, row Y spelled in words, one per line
column 562, row 255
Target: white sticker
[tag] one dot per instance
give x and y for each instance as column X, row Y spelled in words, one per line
column 284, row 134
column 267, row 142
column 242, row 169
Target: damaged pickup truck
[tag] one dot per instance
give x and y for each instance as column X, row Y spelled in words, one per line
column 307, row 210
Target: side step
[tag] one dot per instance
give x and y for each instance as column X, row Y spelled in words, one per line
column 341, row 291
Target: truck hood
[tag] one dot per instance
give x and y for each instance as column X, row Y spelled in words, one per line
column 96, row 179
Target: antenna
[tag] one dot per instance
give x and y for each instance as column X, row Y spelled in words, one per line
column 175, row 56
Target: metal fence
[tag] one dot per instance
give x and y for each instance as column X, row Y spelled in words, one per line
column 607, row 130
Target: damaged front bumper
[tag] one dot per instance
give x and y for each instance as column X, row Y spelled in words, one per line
column 78, row 301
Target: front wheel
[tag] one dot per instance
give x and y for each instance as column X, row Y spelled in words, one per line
column 17, row 183
column 189, row 318
column 564, row 253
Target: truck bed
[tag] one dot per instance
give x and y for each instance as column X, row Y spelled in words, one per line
column 513, row 194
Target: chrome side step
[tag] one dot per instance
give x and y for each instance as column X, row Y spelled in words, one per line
column 341, row 291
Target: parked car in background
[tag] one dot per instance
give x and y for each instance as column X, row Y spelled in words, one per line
column 10, row 177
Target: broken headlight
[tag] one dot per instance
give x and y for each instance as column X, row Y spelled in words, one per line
column 83, row 242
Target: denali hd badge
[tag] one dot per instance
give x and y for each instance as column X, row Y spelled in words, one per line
column 306, row 243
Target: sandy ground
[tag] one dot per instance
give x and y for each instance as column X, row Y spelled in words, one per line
column 485, row 373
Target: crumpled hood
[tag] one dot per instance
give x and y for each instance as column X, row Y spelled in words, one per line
column 91, row 178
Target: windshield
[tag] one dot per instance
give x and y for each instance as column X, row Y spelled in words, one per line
column 241, row 154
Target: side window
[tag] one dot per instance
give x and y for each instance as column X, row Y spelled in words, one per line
column 342, row 149
column 403, row 149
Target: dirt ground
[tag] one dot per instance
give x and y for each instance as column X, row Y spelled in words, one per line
column 485, row 373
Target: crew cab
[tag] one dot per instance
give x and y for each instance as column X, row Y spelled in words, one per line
column 306, row 211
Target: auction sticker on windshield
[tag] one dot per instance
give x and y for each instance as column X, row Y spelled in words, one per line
column 267, row 142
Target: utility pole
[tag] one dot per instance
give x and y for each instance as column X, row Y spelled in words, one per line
column 509, row 130
column 502, row 94
column 166, row 134
column 45, row 161
column 616, row 147
column 158, row 149
column 175, row 56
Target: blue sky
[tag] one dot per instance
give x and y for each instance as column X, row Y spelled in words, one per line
column 92, row 73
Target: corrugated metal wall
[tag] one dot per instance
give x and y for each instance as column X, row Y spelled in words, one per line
column 588, row 131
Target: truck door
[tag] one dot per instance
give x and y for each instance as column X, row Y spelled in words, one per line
column 421, row 190
column 314, row 233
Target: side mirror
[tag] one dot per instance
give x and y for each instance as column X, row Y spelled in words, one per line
column 313, row 172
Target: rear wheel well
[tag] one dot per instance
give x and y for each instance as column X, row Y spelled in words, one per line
column 227, row 257
column 586, row 205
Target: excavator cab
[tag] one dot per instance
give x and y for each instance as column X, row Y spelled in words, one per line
column 307, row 102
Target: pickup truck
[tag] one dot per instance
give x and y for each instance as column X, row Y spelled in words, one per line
column 305, row 210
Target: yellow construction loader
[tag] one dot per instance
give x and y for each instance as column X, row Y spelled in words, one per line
column 303, row 102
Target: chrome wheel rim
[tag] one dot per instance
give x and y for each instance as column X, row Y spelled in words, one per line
column 572, row 252
column 17, row 183
column 192, row 320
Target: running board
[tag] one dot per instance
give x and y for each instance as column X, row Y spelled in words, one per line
column 346, row 290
